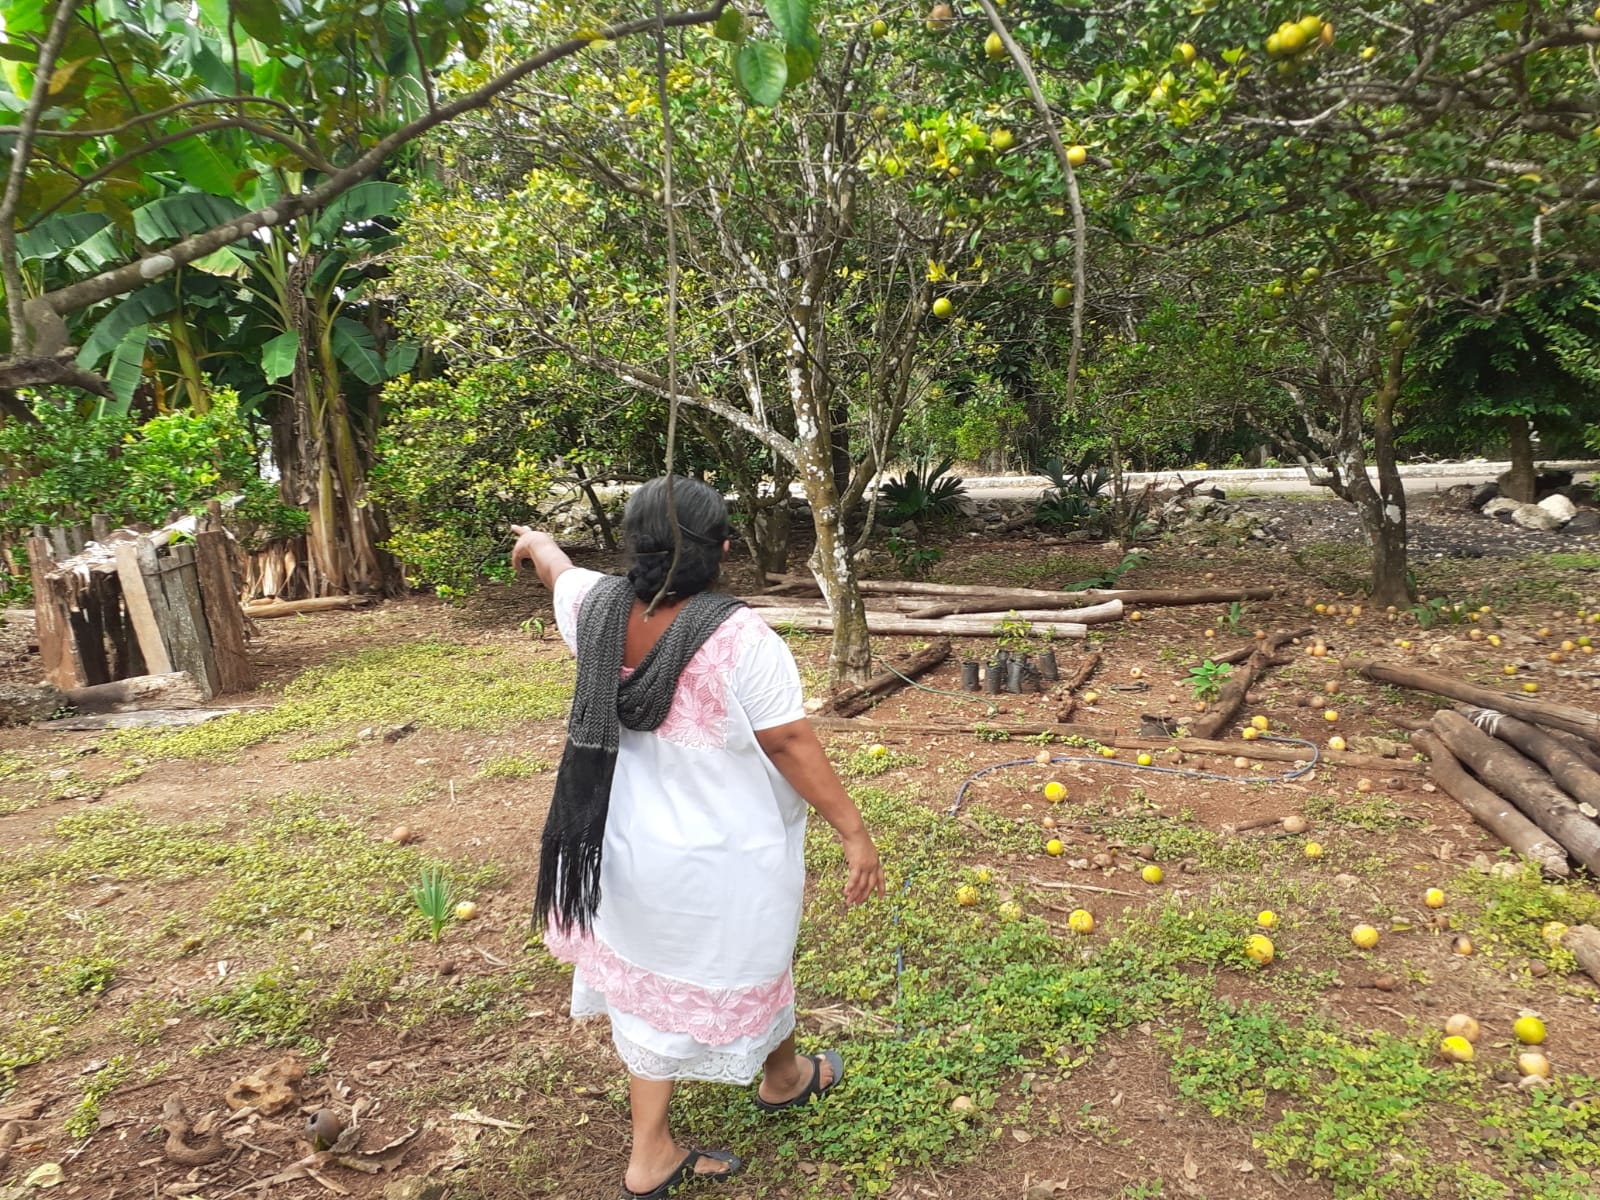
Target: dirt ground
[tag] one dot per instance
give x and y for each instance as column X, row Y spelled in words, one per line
column 461, row 1048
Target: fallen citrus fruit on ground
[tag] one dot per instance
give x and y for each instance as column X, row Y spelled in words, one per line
column 1260, row 723
column 1330, row 715
column 878, row 751
column 966, row 895
column 1529, row 1030
column 1433, row 898
column 1108, row 751
column 1531, row 1062
column 1054, row 792
column 1313, row 849
column 466, row 910
column 1267, row 919
column 983, row 875
column 1054, row 847
column 1011, row 911
column 1461, row 1025
column 1364, row 936
column 1251, row 733
column 1151, row 874
column 1080, row 920
column 1144, row 760
column 1258, row 948
column 1553, row 932
column 1336, row 743
column 1462, row 945
column 1456, row 1049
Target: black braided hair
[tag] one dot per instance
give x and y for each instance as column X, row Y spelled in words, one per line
column 647, row 532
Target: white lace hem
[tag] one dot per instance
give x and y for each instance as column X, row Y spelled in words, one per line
column 711, row 1065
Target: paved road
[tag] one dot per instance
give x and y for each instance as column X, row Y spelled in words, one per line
column 1420, row 480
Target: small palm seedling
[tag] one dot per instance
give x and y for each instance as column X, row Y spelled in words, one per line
column 1234, row 617
column 435, row 898
column 1206, row 679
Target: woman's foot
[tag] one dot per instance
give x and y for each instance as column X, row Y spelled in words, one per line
column 649, row 1167
column 799, row 1078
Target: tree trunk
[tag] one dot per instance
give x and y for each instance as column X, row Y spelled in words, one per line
column 1518, row 482
column 1386, row 519
column 767, row 528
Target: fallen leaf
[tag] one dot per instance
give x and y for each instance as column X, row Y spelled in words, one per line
column 45, row 1175
column 1191, row 1169
column 1022, row 1135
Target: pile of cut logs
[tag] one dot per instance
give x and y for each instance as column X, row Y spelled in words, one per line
column 916, row 609
column 1527, row 770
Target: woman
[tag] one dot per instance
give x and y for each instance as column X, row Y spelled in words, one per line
column 672, row 866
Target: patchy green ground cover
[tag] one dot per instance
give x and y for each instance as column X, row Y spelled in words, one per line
column 238, row 892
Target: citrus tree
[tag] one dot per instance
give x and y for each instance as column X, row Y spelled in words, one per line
column 813, row 276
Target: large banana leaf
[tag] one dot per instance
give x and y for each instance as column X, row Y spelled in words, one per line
column 374, row 198
column 149, row 304
column 180, row 214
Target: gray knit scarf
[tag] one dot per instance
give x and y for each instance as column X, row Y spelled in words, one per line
column 602, row 702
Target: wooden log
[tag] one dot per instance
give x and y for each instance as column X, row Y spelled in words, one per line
column 1539, row 712
column 100, row 526
column 1524, row 783
column 264, row 609
column 1149, row 598
column 59, row 543
column 177, row 689
column 1078, row 678
column 1583, row 943
column 219, row 597
column 1499, row 816
column 140, row 603
column 1094, row 614
column 1234, row 657
column 1231, row 697
column 58, row 648
column 1572, row 775
column 188, row 637
column 1132, row 598
column 1256, row 751
column 89, row 628
column 859, row 699
column 1586, row 752
column 817, row 621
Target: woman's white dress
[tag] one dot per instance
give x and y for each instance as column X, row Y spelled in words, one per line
column 704, row 866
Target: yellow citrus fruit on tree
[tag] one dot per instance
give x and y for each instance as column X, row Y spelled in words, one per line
column 1529, row 1031
column 1080, row 920
column 880, row 28
column 1259, row 948
column 1456, row 1049
column 1267, row 919
column 942, row 307
column 1054, row 792
column 994, row 47
column 1433, row 898
column 1077, row 155
column 1187, row 53
column 1364, row 936
column 1313, row 849
column 1054, row 848
column 1151, row 874
column 1061, row 296
column 1002, row 140
column 966, row 895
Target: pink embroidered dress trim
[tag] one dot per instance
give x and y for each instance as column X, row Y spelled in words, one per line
column 714, row 1016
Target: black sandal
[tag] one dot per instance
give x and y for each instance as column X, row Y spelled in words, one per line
column 814, row 1088
column 685, row 1173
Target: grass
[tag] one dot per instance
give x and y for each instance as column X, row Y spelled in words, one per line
column 437, row 684
column 512, row 766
